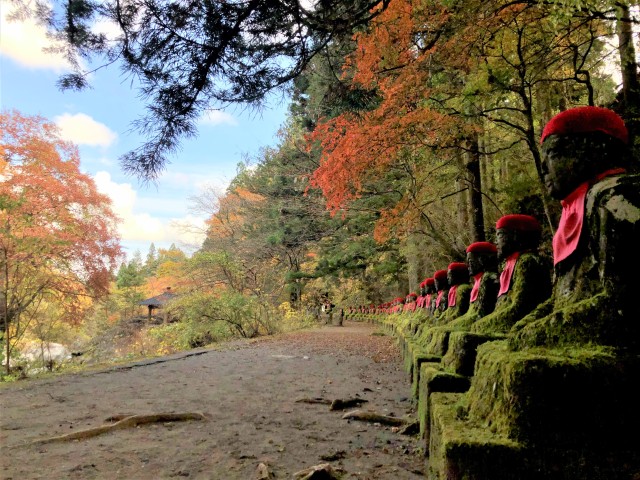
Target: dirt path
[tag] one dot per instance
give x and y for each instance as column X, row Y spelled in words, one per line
column 248, row 392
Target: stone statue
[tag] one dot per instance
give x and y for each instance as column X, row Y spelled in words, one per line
column 429, row 294
column 459, row 291
column 525, row 277
column 558, row 396
column 482, row 260
column 584, row 159
column 441, row 283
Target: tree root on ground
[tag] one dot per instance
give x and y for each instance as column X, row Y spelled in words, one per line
column 317, row 400
column 122, row 422
column 323, row 471
column 339, row 404
column 375, row 418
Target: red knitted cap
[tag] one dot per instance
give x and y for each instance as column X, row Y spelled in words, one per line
column 440, row 275
column 585, row 120
column 482, row 247
column 458, row 266
column 412, row 295
column 517, row 221
column 429, row 281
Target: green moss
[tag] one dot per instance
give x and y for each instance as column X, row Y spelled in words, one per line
column 530, row 286
column 549, row 396
column 463, row 294
column 461, row 352
column 419, row 360
column 462, row 450
column 432, row 379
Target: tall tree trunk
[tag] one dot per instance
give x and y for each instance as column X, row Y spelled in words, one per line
column 462, row 187
column 413, row 262
column 5, row 308
column 474, row 180
column 629, row 70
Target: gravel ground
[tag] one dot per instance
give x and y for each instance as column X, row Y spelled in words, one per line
column 247, row 391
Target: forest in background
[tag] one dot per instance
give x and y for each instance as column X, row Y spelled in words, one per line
column 407, row 138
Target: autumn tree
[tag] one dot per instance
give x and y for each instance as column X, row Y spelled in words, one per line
column 441, row 112
column 58, row 240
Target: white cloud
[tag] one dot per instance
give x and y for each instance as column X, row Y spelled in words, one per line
column 81, row 129
column 195, row 181
column 189, row 231
column 144, row 227
column 110, row 29
column 218, row 117
column 123, row 198
column 24, row 42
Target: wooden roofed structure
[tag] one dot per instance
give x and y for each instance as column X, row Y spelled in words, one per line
column 158, row 302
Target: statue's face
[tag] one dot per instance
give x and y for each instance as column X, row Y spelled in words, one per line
column 441, row 284
column 562, row 168
column 456, row 277
column 482, row 262
column 474, row 262
column 451, row 277
column 506, row 242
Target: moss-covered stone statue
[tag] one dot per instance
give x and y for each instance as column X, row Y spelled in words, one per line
column 525, row 279
column 584, row 160
column 459, row 291
column 429, row 294
column 482, row 258
column 433, row 339
column 430, row 344
column 421, row 296
column 410, row 303
column 422, row 312
column 438, row 287
column 441, row 283
column 556, row 399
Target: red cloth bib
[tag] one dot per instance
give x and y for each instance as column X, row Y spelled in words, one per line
column 566, row 239
column 507, row 273
column 452, row 296
column 476, row 286
column 440, row 293
column 427, row 301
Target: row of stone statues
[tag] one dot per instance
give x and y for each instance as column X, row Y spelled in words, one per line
column 527, row 377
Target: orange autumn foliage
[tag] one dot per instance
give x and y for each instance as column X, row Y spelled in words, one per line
column 443, row 71
column 358, row 147
column 229, row 218
column 57, row 232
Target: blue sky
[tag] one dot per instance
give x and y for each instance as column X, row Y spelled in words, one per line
column 99, row 122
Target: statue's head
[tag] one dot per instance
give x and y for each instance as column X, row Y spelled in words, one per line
column 440, row 280
column 429, row 285
column 457, row 273
column 517, row 233
column 580, row 143
column 482, row 257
